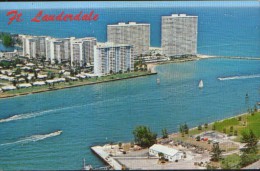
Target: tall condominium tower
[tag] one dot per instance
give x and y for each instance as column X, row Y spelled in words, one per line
column 134, row 34
column 83, row 51
column 179, row 34
column 110, row 57
column 34, row 46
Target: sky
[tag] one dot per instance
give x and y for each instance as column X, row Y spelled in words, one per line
column 116, row 4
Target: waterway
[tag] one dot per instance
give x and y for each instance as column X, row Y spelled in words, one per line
column 98, row 114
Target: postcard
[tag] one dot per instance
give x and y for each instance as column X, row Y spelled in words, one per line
column 118, row 85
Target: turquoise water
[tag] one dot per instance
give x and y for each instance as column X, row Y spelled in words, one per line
column 98, row 114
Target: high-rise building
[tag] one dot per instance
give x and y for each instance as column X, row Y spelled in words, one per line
column 134, row 34
column 41, row 46
column 110, row 57
column 34, row 46
column 83, row 51
column 179, row 34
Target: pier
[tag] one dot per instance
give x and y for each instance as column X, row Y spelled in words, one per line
column 98, row 150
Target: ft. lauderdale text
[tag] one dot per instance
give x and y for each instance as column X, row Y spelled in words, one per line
column 40, row 16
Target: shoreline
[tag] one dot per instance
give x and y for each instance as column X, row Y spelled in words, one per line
column 72, row 86
column 152, row 65
column 108, row 159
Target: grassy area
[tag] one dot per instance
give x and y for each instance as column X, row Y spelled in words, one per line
column 73, row 83
column 231, row 162
column 248, row 121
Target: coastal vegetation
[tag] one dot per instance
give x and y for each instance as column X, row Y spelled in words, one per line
column 144, row 137
column 164, row 133
column 9, row 39
column 216, row 152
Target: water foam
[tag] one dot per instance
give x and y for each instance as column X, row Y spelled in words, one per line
column 239, row 77
column 34, row 114
column 33, row 138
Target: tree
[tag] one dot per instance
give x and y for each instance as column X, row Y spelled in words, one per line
column 216, row 152
column 186, row 128
column 235, row 133
column 161, row 156
column 17, row 71
column 43, row 60
column 56, row 61
column 144, row 137
column 251, row 142
column 255, row 108
column 206, row 125
column 231, row 129
column 120, row 145
column 239, row 118
column 214, row 127
column 14, row 82
column 164, row 133
column 7, row 40
column 181, row 129
column 35, row 73
column 199, row 127
column 50, row 75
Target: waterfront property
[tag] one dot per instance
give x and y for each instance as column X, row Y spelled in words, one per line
column 136, row 34
column 113, row 58
column 167, row 152
column 179, row 34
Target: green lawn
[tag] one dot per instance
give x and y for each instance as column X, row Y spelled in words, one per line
column 231, row 162
column 247, row 122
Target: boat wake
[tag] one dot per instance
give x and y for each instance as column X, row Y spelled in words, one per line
column 33, row 138
column 239, row 77
column 34, row 114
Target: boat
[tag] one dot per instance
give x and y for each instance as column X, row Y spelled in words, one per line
column 201, row 84
column 158, row 81
column 58, row 132
column 86, row 167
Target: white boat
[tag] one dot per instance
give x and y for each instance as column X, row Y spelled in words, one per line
column 201, row 84
column 158, row 81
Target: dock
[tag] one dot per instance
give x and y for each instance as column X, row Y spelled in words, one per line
column 98, row 150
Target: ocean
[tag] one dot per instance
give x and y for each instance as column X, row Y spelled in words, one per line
column 101, row 113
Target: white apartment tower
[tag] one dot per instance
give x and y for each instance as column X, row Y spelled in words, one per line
column 34, row 46
column 136, row 34
column 179, row 34
column 110, row 57
column 83, row 51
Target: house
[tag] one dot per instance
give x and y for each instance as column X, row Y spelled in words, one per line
column 169, row 153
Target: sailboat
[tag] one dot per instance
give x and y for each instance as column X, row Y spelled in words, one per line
column 201, row 84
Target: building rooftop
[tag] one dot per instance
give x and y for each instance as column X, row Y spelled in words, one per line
column 164, row 149
column 110, row 44
column 129, row 24
column 180, row 15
